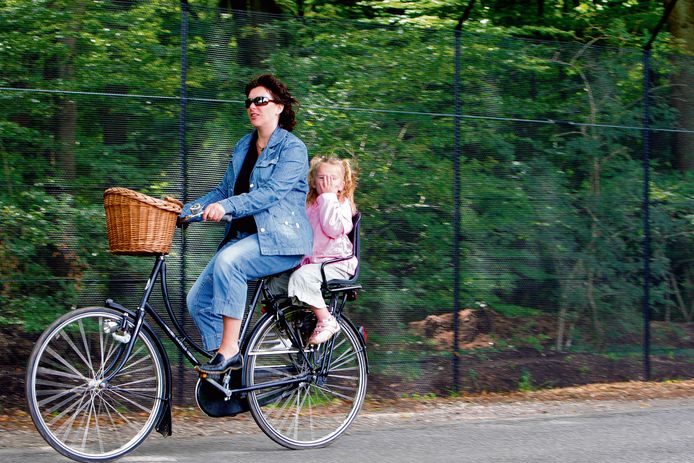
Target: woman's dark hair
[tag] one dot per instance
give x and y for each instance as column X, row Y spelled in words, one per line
column 280, row 93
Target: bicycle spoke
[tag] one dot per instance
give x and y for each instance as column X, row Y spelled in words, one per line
column 53, row 372
column 74, row 348
column 128, row 371
column 141, row 407
column 343, row 361
column 65, row 363
column 66, row 411
column 55, row 397
column 265, row 393
column 342, row 396
column 339, row 344
column 349, row 378
column 69, row 422
column 297, row 412
column 284, row 411
column 86, row 347
column 113, row 407
column 56, row 393
column 271, row 405
column 275, row 369
column 136, row 381
column 293, row 413
column 99, row 439
column 45, row 382
column 85, row 434
column 338, row 386
column 138, row 394
column 134, row 355
column 112, row 349
column 114, row 427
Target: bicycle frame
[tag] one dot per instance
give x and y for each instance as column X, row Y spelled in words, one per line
column 181, row 338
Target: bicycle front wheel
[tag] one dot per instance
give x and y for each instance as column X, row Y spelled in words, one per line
column 77, row 413
column 316, row 411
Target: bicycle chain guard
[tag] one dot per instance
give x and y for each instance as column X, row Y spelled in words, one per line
column 214, row 402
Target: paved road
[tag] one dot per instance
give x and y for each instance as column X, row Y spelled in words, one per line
column 634, row 432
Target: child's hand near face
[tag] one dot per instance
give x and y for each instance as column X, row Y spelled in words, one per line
column 329, row 179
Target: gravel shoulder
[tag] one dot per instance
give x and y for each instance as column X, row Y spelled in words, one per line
column 17, row 430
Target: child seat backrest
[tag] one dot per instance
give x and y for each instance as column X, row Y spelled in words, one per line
column 354, row 238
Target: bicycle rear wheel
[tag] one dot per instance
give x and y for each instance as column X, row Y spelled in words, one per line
column 78, row 414
column 314, row 412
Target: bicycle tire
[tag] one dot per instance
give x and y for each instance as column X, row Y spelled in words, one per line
column 80, row 416
column 310, row 414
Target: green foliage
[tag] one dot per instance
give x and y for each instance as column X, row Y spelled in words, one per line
column 550, row 212
column 525, row 382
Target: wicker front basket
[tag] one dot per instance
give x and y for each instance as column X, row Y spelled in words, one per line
column 139, row 225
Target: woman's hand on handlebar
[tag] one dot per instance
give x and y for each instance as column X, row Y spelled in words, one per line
column 213, row 213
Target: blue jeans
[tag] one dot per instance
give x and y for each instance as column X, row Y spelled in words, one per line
column 221, row 288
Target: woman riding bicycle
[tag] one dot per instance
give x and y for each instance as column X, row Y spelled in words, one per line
column 264, row 192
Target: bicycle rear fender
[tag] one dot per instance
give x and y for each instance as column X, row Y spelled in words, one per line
column 164, row 421
column 362, row 342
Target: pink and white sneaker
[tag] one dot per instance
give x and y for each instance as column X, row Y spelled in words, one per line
column 325, row 330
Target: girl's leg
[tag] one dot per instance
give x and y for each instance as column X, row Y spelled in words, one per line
column 305, row 284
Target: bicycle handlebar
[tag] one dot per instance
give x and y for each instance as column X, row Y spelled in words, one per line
column 196, row 215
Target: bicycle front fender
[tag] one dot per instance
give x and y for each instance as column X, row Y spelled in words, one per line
column 164, row 421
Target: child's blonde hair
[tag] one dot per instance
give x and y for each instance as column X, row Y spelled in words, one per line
column 349, row 179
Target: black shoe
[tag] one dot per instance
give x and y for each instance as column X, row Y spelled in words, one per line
column 219, row 364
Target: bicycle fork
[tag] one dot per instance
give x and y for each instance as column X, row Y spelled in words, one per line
column 121, row 331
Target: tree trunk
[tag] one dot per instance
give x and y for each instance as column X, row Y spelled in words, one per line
column 681, row 23
column 66, row 119
column 114, row 122
column 66, row 123
column 258, row 42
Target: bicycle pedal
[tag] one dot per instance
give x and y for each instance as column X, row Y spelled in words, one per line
column 208, row 376
column 202, row 374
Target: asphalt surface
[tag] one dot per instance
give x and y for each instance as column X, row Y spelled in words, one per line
column 586, row 431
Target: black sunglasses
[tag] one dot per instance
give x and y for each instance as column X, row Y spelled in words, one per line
column 258, row 101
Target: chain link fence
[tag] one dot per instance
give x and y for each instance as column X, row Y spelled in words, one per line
column 502, row 183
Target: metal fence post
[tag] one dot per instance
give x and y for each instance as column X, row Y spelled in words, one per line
column 646, row 207
column 183, row 154
column 646, row 306
column 456, row 215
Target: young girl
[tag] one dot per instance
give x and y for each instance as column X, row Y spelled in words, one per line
column 330, row 207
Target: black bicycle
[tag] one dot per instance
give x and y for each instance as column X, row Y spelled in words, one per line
column 99, row 378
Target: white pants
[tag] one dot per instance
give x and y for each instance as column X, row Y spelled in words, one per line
column 304, row 284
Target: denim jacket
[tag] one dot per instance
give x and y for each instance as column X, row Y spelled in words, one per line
column 277, row 196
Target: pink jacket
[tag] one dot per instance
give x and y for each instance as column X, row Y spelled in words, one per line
column 331, row 221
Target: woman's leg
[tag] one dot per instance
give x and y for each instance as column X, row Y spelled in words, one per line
column 230, row 337
column 233, row 267
column 200, row 307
